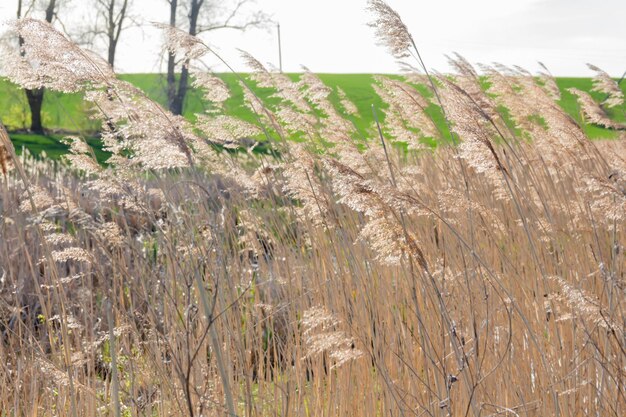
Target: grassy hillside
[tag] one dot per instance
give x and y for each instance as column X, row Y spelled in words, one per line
column 68, row 113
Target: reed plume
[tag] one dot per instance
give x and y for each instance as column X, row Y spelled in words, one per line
column 603, row 83
column 390, row 29
column 593, row 112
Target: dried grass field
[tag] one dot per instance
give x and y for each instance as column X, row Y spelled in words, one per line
column 463, row 258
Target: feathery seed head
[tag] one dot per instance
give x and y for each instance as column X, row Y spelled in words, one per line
column 252, row 63
column 593, row 112
column 49, row 59
column 603, row 83
column 178, row 41
column 215, row 90
column 390, row 29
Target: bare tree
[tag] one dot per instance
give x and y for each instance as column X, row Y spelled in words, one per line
column 35, row 96
column 111, row 19
column 204, row 16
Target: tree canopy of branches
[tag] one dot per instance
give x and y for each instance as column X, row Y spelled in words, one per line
column 202, row 16
column 111, row 19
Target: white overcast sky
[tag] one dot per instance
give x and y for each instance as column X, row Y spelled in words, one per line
column 333, row 36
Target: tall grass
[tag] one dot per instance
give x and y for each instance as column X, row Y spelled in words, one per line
column 342, row 273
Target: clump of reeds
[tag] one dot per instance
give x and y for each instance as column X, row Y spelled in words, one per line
column 480, row 276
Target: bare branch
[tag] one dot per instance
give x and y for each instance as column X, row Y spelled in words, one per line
column 111, row 19
column 244, row 26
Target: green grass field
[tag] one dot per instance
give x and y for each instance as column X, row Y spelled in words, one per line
column 68, row 113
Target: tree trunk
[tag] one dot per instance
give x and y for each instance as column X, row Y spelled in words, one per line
column 171, row 61
column 35, row 97
column 35, row 101
column 177, row 95
column 115, row 24
column 50, row 10
column 179, row 98
column 111, row 58
column 111, row 32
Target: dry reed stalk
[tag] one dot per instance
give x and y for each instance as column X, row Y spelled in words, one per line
column 5, row 159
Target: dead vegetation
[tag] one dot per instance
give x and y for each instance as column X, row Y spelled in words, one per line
column 330, row 277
